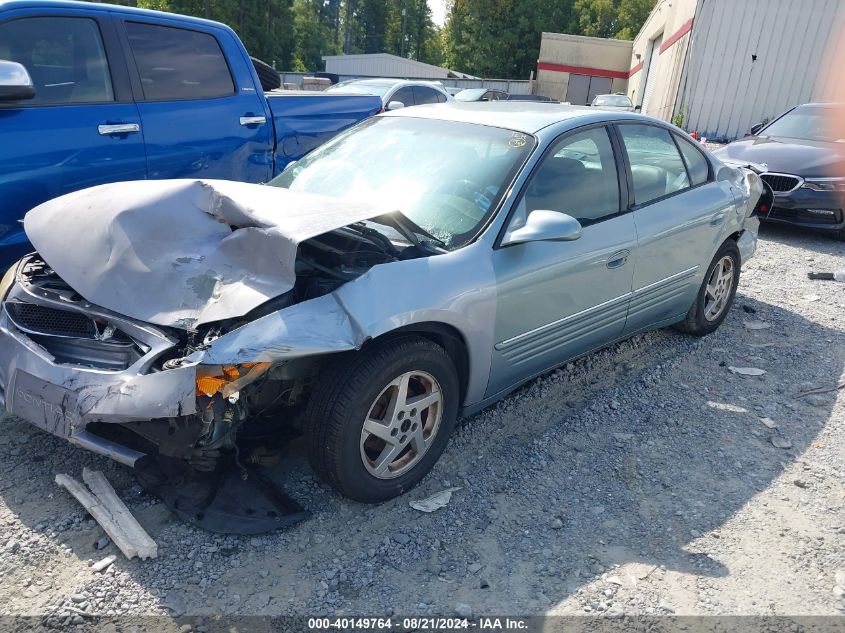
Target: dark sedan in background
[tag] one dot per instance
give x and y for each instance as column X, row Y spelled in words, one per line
column 804, row 163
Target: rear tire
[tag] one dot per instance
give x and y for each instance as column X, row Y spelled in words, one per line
column 378, row 420
column 716, row 295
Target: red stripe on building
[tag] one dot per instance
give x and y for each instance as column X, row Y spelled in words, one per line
column 578, row 70
column 686, row 27
column 635, row 70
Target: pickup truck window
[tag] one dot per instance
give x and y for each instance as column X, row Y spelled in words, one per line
column 64, row 57
column 177, row 64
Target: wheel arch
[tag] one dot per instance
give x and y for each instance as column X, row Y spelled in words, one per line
column 446, row 336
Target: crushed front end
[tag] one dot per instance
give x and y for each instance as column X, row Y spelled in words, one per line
column 125, row 389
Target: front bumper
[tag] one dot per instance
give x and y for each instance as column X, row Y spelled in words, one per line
column 64, row 398
column 823, row 210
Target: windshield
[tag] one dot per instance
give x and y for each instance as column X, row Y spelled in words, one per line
column 444, row 176
column 470, row 94
column 378, row 89
column 612, row 100
column 813, row 123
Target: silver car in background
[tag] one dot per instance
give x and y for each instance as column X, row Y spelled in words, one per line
column 396, row 93
column 617, row 101
column 416, row 268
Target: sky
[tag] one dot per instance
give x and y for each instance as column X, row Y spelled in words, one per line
column 438, row 11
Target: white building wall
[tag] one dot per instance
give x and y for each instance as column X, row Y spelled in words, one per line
column 667, row 26
column 724, row 91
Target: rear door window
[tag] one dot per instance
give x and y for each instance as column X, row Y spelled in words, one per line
column 656, row 166
column 64, row 57
column 177, row 64
column 697, row 164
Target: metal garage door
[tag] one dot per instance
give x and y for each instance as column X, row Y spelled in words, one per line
column 599, row 86
column 582, row 88
column 651, row 77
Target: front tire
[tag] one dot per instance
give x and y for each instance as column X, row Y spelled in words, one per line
column 378, row 420
column 716, row 295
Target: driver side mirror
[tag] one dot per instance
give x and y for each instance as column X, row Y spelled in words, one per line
column 543, row 226
column 638, row 108
column 15, row 83
column 756, row 128
column 395, row 105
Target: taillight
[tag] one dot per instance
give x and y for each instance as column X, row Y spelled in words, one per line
column 767, row 198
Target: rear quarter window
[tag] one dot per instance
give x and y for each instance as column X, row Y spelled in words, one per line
column 697, row 165
column 177, row 64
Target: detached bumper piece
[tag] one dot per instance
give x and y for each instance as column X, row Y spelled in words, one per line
column 231, row 499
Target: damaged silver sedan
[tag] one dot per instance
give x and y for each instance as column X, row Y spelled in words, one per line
column 416, row 268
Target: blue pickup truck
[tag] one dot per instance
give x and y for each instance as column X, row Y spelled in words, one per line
column 93, row 93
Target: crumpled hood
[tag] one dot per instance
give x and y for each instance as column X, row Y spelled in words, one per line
column 182, row 252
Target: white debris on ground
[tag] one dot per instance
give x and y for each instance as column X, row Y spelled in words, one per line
column 102, row 502
column 645, row 479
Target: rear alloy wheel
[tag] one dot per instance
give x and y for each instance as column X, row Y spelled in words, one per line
column 378, row 420
column 716, row 295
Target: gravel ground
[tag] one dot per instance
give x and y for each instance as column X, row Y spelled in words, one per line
column 644, row 479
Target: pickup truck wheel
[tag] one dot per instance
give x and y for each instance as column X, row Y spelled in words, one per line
column 716, row 295
column 379, row 420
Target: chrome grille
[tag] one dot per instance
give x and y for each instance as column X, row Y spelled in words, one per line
column 38, row 319
column 782, row 183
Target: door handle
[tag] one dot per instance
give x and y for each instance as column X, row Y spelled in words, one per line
column 717, row 219
column 618, row 259
column 107, row 129
column 253, row 120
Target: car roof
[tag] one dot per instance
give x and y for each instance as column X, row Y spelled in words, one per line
column 523, row 116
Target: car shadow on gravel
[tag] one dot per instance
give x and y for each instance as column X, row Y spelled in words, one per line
column 821, row 242
column 616, row 467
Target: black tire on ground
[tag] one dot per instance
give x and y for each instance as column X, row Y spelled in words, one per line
column 269, row 76
column 342, row 398
column 695, row 322
column 840, row 235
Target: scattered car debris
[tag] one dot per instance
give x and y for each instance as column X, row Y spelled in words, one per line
column 104, row 564
column 756, row 325
column 817, row 390
column 837, row 275
column 780, row 442
column 747, row 371
column 434, row 502
column 769, row 423
column 102, row 502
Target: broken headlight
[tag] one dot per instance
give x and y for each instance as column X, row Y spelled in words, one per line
column 227, row 380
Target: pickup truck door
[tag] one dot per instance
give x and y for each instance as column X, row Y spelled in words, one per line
column 81, row 128
column 203, row 113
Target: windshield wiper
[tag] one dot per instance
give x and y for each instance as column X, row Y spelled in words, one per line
column 412, row 231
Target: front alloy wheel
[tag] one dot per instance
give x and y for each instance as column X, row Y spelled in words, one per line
column 401, row 425
column 379, row 419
